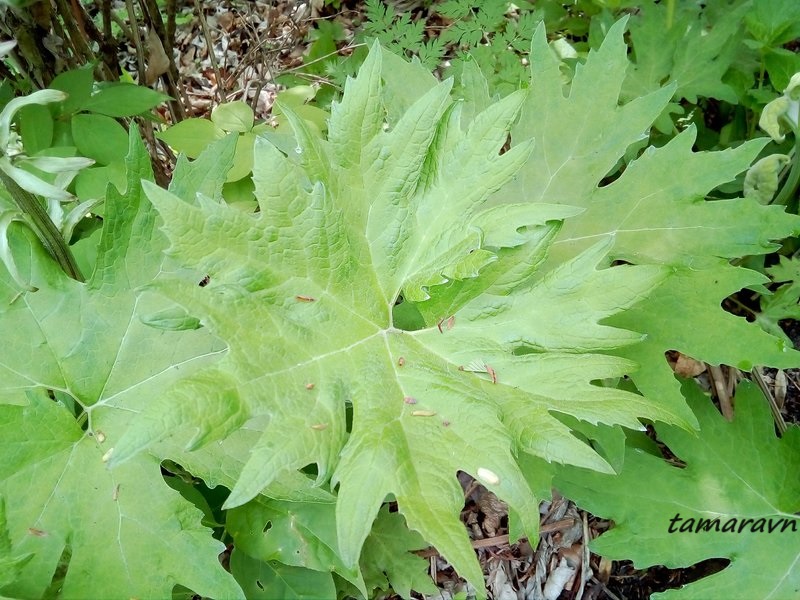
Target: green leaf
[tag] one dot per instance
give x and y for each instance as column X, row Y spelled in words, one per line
column 739, row 481
column 689, row 53
column 77, row 84
column 99, row 137
column 191, row 136
column 125, row 532
column 123, row 100
column 266, row 581
column 388, row 562
column 303, row 293
column 35, row 128
column 205, row 175
column 11, row 563
column 774, row 22
column 781, row 65
column 653, row 211
column 243, row 158
column 233, row 116
column 93, row 182
column 300, row 534
column 112, row 556
column 783, row 302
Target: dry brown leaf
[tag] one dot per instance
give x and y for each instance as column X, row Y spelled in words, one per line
column 157, row 60
column 686, row 366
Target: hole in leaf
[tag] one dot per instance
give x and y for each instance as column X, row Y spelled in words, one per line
column 60, row 574
column 407, row 317
column 628, row 582
column 311, row 469
column 74, row 407
column 267, row 527
column 744, row 303
column 259, row 584
column 208, row 500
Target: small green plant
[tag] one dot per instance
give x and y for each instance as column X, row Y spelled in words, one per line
column 193, row 136
column 65, row 145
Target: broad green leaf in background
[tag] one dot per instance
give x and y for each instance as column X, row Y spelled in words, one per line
column 738, row 473
column 300, row 534
column 35, row 128
column 233, row 116
column 77, row 84
column 654, row 212
column 303, row 534
column 99, row 137
column 269, row 580
column 688, row 52
column 76, row 364
column 123, row 100
column 774, row 24
column 191, row 136
column 391, row 543
column 304, row 293
column 784, row 302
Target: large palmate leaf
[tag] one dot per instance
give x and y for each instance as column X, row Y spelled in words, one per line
column 737, row 497
column 654, row 212
column 387, row 399
column 77, row 360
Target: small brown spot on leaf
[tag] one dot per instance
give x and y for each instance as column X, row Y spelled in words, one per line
column 37, row 532
column 301, row 298
column 205, row 281
column 401, row 361
column 492, row 373
column 423, row 413
column 309, row 386
column 409, row 400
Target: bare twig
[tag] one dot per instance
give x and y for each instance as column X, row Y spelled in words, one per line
column 137, row 41
column 585, row 556
column 773, row 406
column 500, row 540
column 720, row 387
column 211, row 55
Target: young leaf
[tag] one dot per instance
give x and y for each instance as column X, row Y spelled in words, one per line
column 304, row 291
column 737, row 498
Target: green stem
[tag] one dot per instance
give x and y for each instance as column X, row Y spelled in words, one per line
column 787, row 193
column 670, row 13
column 45, row 229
